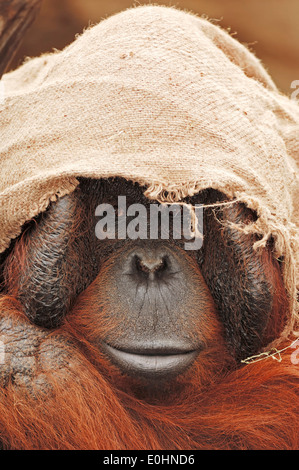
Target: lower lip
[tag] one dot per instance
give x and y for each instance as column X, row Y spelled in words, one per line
column 150, row 366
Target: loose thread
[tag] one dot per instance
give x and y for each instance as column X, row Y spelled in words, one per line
column 272, row 353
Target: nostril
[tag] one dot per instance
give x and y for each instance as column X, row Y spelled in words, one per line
column 151, row 266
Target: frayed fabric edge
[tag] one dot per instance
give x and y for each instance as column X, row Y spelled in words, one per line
column 285, row 237
column 64, row 187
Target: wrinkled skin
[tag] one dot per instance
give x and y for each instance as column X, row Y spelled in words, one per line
column 223, row 292
column 31, row 352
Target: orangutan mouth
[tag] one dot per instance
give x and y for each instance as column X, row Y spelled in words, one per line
column 152, row 362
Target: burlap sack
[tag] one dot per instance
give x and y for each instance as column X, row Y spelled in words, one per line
column 157, row 96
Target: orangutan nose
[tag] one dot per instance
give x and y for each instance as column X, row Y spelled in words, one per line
column 152, row 266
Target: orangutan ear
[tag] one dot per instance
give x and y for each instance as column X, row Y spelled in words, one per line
column 15, row 18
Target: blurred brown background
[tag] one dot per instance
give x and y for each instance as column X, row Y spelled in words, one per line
column 270, row 27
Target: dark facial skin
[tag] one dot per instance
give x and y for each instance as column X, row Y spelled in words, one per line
column 162, row 301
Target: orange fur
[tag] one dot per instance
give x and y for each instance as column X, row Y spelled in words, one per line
column 253, row 407
column 77, row 400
